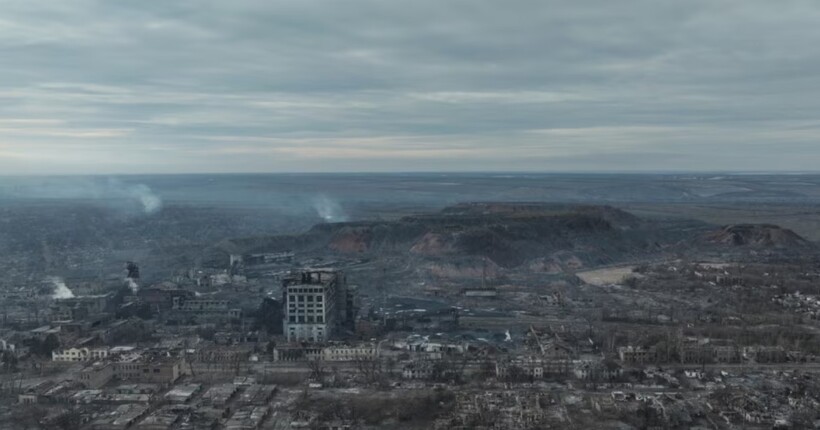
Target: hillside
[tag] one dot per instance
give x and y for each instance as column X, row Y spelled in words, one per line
column 756, row 236
column 541, row 237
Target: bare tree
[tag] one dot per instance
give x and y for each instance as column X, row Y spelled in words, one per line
column 369, row 369
column 318, row 372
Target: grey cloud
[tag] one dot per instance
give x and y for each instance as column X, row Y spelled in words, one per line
column 449, row 85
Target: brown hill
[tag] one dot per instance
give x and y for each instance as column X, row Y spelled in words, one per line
column 756, row 236
column 507, row 234
column 548, row 238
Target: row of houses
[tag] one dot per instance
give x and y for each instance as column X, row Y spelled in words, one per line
column 702, row 353
column 334, row 352
column 520, row 368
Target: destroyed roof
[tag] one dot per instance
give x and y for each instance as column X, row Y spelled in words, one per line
column 183, row 391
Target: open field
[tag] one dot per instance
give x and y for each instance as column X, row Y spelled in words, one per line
column 804, row 219
column 606, row 276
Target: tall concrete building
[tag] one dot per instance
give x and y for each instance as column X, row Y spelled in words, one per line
column 317, row 305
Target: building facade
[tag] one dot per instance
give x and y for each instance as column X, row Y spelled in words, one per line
column 350, row 352
column 632, row 355
column 142, row 369
column 315, row 305
column 80, row 354
column 150, row 370
column 205, row 309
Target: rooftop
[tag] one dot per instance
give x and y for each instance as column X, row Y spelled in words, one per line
column 313, row 277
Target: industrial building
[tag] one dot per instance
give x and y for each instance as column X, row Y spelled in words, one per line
column 317, row 305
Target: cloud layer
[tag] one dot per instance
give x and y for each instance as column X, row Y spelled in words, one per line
column 365, row 85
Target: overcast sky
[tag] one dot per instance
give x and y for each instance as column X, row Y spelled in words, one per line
column 382, row 85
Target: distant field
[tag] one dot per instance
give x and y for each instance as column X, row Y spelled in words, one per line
column 804, row 219
column 606, row 276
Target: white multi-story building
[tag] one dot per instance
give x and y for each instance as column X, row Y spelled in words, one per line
column 80, row 354
column 312, row 305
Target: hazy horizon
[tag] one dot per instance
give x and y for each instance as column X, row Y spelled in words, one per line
column 514, row 173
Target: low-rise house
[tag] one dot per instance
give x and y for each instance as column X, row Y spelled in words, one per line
column 43, row 332
column 705, row 351
column 765, row 354
column 297, row 353
column 430, row 349
column 96, row 375
column 696, row 354
column 533, row 368
column 257, row 395
column 151, row 369
column 156, row 369
column 224, row 354
column 35, row 394
column 219, row 395
column 248, row 418
column 123, row 417
column 166, row 418
column 135, row 389
column 183, row 393
column 597, row 370
column 417, row 370
column 727, row 354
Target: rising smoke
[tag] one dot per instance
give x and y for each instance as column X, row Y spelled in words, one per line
column 151, row 203
column 329, row 210
column 109, row 192
column 132, row 274
column 61, row 290
column 132, row 285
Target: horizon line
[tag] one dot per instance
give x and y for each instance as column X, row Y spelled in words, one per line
column 437, row 172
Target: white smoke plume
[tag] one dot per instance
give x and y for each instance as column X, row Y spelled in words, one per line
column 132, row 285
column 61, row 290
column 109, row 192
column 329, row 210
column 151, row 203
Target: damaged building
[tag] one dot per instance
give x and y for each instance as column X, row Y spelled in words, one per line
column 318, row 305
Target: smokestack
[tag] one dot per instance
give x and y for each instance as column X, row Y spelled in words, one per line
column 61, row 291
column 132, row 276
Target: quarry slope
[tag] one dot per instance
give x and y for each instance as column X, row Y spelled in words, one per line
column 542, row 237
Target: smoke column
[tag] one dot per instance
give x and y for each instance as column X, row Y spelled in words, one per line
column 151, row 203
column 133, row 273
column 132, row 285
column 110, row 192
column 329, row 210
column 61, row 291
